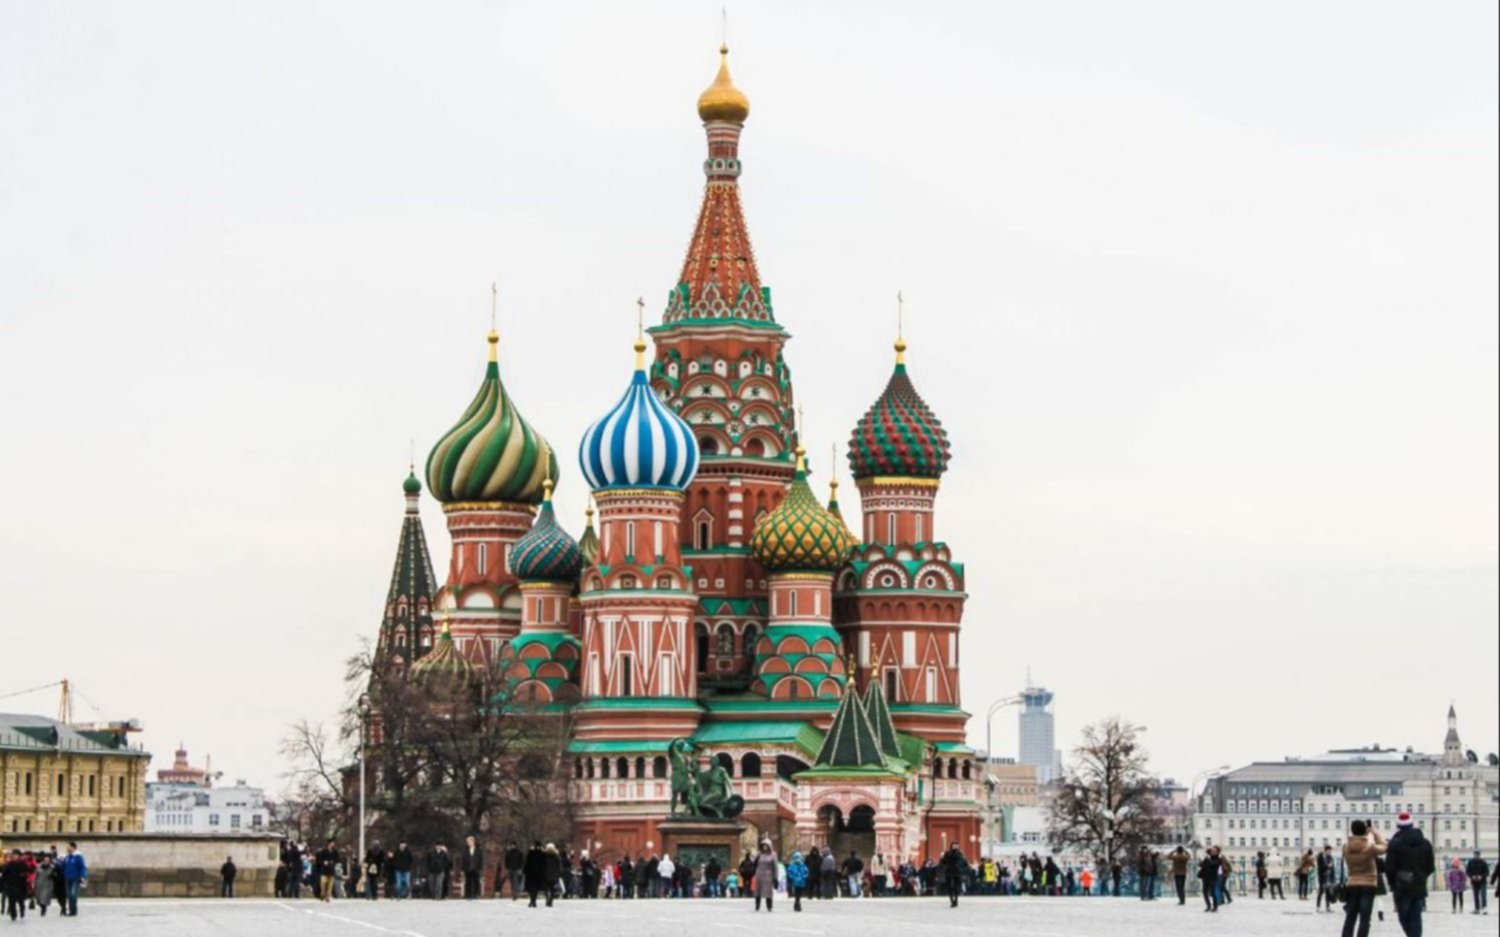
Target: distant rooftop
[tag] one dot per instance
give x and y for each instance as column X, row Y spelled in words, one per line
column 28, row 733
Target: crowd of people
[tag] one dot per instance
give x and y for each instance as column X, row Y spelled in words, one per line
column 1359, row 879
column 36, row 879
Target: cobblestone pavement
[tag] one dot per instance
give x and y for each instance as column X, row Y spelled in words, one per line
column 1021, row 917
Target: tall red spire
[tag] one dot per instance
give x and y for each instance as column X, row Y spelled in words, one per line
column 719, row 279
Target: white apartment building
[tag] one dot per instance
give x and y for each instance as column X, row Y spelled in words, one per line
column 1300, row 804
column 189, row 808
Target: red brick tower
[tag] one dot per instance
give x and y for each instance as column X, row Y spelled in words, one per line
column 719, row 366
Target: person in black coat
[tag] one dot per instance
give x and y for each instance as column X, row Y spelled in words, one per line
column 515, row 860
column 814, row 872
column 1409, row 863
column 954, row 864
column 534, row 871
column 293, row 871
column 1208, row 874
column 552, row 871
column 472, row 862
column 227, row 873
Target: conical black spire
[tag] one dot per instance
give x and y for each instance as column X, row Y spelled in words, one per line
column 408, row 602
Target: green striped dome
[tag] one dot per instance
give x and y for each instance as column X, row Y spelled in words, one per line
column 492, row 454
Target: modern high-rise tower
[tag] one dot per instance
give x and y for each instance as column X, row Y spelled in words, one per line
column 1038, row 734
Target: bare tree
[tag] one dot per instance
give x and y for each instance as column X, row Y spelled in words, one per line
column 314, row 806
column 1107, row 798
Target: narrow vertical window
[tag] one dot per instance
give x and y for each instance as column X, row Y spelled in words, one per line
column 656, row 536
column 890, row 528
column 627, row 676
column 920, row 527
column 931, row 684
column 484, row 558
column 630, row 539
column 892, row 684
column 791, row 603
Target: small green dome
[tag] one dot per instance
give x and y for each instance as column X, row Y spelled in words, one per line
column 412, row 486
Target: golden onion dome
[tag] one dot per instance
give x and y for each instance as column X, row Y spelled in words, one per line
column 722, row 100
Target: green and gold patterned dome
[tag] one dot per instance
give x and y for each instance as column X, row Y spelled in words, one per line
column 492, row 454
column 443, row 670
column 800, row 535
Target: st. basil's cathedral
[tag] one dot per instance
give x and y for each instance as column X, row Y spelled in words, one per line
column 718, row 599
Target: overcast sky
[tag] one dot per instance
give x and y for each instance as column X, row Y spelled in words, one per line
column 1205, row 294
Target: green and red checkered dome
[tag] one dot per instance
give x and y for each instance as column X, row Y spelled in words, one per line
column 899, row 435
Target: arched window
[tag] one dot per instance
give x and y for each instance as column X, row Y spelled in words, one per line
column 707, row 445
column 750, row 765
column 604, row 768
column 952, row 769
column 622, row 767
column 747, row 643
column 726, row 761
column 588, row 768
column 937, row 767
column 700, row 639
column 659, row 767
column 965, row 771
column 630, row 539
column 724, row 641
column 640, row 767
column 756, row 447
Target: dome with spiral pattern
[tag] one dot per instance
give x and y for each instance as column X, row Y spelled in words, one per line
column 442, row 669
column 492, row 454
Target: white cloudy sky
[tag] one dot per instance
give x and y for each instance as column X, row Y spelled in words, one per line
column 1206, row 294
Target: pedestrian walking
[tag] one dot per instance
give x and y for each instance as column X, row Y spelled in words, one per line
column 75, row 873
column 45, row 887
column 796, row 879
column 227, row 873
column 1305, row 867
column 1409, row 863
column 1479, row 876
column 1208, row 875
column 853, row 870
column 13, row 875
column 325, row 867
column 829, row 875
column 1458, row 886
column 954, row 865
column 1327, row 870
column 765, row 875
column 534, row 874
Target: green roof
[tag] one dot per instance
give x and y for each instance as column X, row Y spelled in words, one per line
column 912, row 748
column 953, row 748
column 880, row 719
column 613, row 747
column 638, row 702
column 804, row 735
column 851, row 740
column 20, row 732
column 935, row 708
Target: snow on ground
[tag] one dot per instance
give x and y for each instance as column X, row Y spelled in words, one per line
column 1011, row 917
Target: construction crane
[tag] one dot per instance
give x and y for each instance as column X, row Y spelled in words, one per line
column 66, row 692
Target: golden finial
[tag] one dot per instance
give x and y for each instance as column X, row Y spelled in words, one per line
column 445, row 631
column 900, row 339
column 722, row 100
column 546, row 489
column 833, row 479
column 494, row 336
column 640, row 333
column 588, row 512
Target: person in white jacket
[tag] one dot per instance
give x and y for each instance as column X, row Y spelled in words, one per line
column 1276, row 873
column 666, row 881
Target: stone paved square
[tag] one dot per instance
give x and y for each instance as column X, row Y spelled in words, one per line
column 1021, row 917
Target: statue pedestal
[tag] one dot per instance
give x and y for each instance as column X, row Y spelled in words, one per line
column 694, row 839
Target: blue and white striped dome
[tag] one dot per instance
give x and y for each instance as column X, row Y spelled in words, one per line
column 639, row 443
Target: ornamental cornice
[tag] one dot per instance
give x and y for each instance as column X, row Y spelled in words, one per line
column 489, row 506
column 604, row 495
column 895, row 481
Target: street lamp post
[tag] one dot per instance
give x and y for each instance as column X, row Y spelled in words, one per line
column 989, row 721
column 1193, row 787
column 364, row 712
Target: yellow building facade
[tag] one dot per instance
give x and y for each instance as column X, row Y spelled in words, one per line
column 62, row 779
